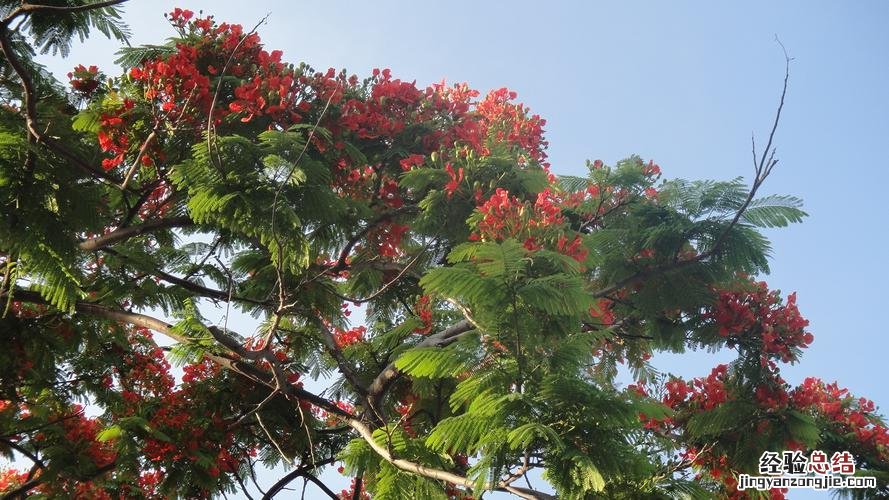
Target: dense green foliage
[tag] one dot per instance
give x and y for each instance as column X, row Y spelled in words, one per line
column 500, row 301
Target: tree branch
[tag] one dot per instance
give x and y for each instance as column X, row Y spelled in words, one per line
column 301, row 472
column 762, row 169
column 30, row 456
column 22, row 491
column 30, row 8
column 246, row 370
column 125, row 233
column 381, row 383
column 340, row 264
column 342, row 363
column 439, row 474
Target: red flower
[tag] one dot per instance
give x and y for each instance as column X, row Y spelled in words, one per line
column 456, row 179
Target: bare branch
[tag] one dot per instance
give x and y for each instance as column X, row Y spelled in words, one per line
column 299, row 472
column 243, row 487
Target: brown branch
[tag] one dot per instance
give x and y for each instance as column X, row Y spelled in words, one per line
column 38, row 427
column 22, row 491
column 382, row 382
column 386, row 286
column 298, row 472
column 232, row 363
column 211, row 293
column 198, row 289
column 30, row 456
column 135, row 166
column 243, row 487
column 30, row 8
column 432, row 473
column 128, row 232
column 342, row 363
column 351, row 242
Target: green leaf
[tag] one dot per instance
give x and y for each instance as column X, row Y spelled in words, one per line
column 109, row 434
column 523, row 437
column 803, row 428
column 432, row 362
column 86, row 121
column 463, row 433
column 461, row 283
column 724, row 417
column 774, row 211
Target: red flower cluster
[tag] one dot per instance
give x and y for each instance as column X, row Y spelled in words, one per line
column 510, row 123
column 149, row 371
column 602, row 311
column 345, row 338
column 754, row 310
column 386, row 239
column 84, row 80
column 412, row 162
column 182, row 85
column 391, row 104
column 390, row 194
column 574, row 249
column 81, row 433
column 505, row 216
column 350, row 493
column 158, row 201
column 405, row 407
column 849, row 414
column 11, row 478
column 180, row 17
column 197, row 372
column 702, row 393
column 456, row 179
column 771, row 396
column 113, row 134
column 721, row 470
column 190, row 435
column 423, row 310
column 332, row 419
column 709, row 392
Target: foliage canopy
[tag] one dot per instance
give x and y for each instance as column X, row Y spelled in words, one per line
column 500, row 299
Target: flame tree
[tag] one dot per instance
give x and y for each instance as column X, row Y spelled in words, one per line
column 500, row 298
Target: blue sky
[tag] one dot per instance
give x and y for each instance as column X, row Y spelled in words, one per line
column 683, row 83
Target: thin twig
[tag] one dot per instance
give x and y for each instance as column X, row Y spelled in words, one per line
column 762, row 169
column 135, row 166
column 274, row 443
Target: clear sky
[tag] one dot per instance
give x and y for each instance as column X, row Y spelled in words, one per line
column 683, row 83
